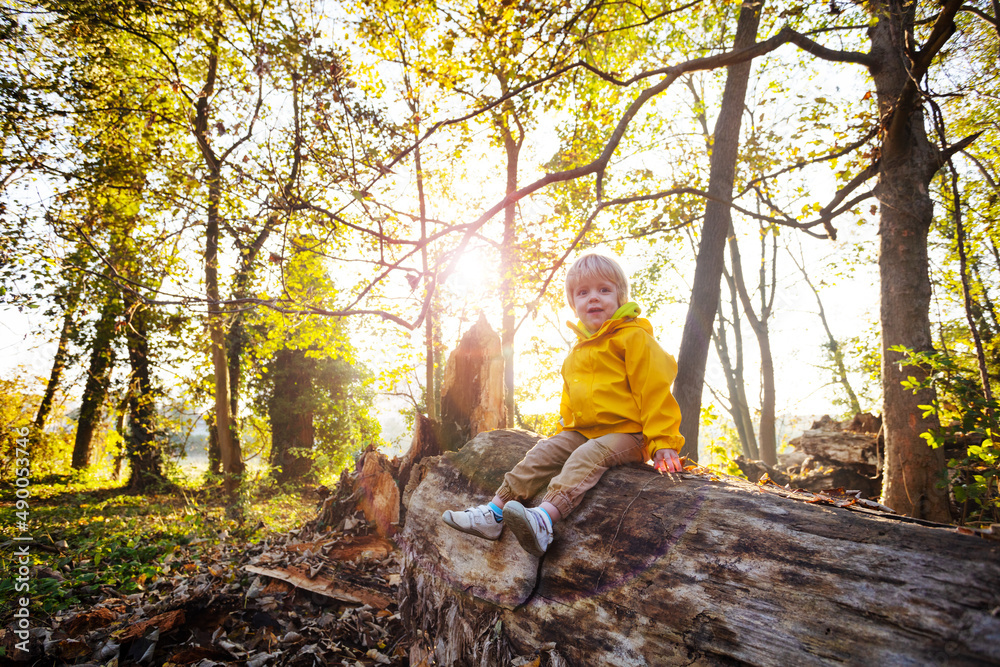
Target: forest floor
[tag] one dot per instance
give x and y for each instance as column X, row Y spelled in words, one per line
column 167, row 578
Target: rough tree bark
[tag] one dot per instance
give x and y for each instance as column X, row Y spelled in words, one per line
column 689, row 569
column 693, row 353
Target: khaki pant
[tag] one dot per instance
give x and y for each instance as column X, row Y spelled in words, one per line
column 573, row 463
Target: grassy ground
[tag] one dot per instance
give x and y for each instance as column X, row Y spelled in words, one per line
column 90, row 534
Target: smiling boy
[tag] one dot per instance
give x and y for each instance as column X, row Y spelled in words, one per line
column 616, row 408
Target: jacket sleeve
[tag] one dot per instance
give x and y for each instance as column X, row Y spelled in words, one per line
column 650, row 372
column 564, row 407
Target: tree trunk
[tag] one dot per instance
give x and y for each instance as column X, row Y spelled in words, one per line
column 508, row 254
column 689, row 569
column 430, row 358
column 235, row 343
column 739, row 408
column 768, row 437
column 232, row 459
column 141, row 447
column 58, row 364
column 236, row 340
column 767, row 441
column 908, row 162
column 291, row 415
column 693, row 353
column 973, row 314
column 378, row 492
column 229, row 449
column 121, row 411
column 214, row 456
column 102, row 361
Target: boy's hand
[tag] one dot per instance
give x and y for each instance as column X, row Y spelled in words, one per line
column 667, row 460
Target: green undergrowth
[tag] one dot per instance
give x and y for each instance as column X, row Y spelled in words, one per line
column 95, row 534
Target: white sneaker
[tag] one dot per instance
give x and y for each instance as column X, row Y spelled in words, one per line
column 531, row 525
column 479, row 521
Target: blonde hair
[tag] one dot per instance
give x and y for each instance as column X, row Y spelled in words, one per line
column 597, row 265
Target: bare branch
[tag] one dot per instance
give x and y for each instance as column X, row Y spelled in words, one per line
column 823, row 158
column 949, row 151
column 976, row 11
column 944, row 27
column 851, row 186
column 133, row 287
column 982, row 169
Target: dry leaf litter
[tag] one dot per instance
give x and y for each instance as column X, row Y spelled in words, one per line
column 322, row 598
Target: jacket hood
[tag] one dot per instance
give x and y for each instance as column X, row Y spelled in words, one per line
column 627, row 311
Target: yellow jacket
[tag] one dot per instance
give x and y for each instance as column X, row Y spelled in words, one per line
column 617, row 380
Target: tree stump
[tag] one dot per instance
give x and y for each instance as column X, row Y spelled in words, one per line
column 689, row 569
column 379, row 496
column 472, row 397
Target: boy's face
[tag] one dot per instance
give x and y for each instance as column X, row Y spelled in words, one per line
column 595, row 301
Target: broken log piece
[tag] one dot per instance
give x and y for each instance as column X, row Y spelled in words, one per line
column 378, row 597
column 840, row 447
column 865, row 422
column 424, row 443
column 472, row 391
column 685, row 568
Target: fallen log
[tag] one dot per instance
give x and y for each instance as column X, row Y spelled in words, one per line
column 689, row 569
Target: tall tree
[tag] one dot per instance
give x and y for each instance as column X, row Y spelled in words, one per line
column 313, row 390
column 69, row 302
column 95, row 391
column 767, row 441
column 907, row 163
column 232, row 458
column 706, row 289
column 143, row 452
column 732, row 368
